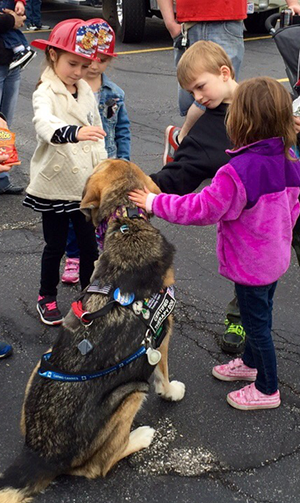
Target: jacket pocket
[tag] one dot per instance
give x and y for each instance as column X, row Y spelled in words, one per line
column 53, row 166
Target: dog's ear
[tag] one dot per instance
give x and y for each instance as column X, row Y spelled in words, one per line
column 90, row 199
column 152, row 186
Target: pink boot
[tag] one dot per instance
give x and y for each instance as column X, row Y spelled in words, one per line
column 71, row 272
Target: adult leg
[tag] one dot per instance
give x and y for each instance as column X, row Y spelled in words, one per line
column 256, row 304
column 85, row 234
column 33, row 12
column 55, row 228
column 9, row 91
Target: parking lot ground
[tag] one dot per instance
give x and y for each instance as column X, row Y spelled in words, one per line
column 203, row 450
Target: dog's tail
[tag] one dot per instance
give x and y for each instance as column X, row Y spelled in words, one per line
column 27, row 476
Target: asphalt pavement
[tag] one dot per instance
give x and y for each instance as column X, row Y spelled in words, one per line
column 203, row 451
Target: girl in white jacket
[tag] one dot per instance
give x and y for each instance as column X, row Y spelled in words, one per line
column 70, row 144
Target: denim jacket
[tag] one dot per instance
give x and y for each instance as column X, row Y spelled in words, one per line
column 114, row 119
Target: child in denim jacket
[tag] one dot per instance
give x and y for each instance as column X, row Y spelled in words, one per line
column 253, row 199
column 110, row 99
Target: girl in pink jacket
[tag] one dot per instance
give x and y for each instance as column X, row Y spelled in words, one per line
column 254, row 202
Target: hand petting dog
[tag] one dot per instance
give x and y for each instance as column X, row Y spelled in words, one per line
column 139, row 197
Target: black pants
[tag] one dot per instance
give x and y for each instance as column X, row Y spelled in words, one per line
column 55, row 228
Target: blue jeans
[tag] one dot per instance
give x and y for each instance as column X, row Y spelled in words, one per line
column 228, row 34
column 33, row 12
column 256, row 304
column 72, row 250
column 12, row 38
column 9, row 92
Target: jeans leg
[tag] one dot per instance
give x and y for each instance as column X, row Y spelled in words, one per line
column 256, row 305
column 13, row 38
column 72, row 250
column 33, row 11
column 9, row 91
column 55, row 228
column 88, row 250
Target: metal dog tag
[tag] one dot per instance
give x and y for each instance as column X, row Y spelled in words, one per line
column 85, row 347
column 153, row 356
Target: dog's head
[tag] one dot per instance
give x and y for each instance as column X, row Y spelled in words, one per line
column 136, row 256
column 108, row 187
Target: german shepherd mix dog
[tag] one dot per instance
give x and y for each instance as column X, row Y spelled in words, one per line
column 82, row 397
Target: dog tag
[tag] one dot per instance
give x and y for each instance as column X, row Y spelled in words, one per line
column 85, row 347
column 123, row 298
column 153, row 356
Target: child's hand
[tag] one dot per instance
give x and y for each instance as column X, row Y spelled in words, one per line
column 19, row 8
column 4, row 167
column 90, row 133
column 139, row 197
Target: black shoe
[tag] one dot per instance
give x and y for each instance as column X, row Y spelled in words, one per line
column 22, row 58
column 233, row 340
column 12, row 189
column 42, row 27
column 31, row 27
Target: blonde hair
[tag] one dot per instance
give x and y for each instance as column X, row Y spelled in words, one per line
column 203, row 56
column 261, row 108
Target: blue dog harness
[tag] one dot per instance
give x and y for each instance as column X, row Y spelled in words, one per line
column 153, row 312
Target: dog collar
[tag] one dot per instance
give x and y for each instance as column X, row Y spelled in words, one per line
column 121, row 212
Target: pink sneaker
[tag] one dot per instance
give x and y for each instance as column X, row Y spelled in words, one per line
column 171, row 144
column 249, row 398
column 71, row 272
column 235, row 370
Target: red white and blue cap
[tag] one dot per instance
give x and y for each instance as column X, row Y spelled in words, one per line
column 84, row 38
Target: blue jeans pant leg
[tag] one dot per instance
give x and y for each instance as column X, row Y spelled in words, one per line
column 72, row 250
column 13, row 38
column 9, row 92
column 256, row 304
column 33, row 11
column 228, row 34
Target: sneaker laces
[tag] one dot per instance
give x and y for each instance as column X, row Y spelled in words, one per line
column 237, row 362
column 51, row 306
column 233, row 328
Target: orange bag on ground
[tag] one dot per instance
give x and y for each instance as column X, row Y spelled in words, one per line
column 7, row 146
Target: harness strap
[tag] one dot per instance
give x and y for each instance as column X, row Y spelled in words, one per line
column 49, row 371
column 85, row 316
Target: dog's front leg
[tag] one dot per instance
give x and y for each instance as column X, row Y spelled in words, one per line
column 173, row 390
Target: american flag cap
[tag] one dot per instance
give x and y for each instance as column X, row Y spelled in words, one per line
column 84, row 38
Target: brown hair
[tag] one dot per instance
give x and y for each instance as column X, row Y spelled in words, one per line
column 203, row 56
column 261, row 108
column 48, row 61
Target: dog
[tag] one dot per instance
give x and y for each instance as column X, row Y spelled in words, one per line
column 81, row 399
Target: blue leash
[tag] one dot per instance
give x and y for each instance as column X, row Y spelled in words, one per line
column 61, row 376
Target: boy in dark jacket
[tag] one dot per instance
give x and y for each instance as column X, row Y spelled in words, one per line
column 207, row 73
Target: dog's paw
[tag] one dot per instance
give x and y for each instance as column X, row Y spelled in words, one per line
column 174, row 391
column 142, row 437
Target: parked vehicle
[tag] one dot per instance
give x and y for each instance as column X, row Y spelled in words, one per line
column 128, row 17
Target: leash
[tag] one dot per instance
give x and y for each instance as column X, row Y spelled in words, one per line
column 153, row 312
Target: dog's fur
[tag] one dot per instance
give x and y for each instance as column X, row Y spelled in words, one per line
column 83, row 428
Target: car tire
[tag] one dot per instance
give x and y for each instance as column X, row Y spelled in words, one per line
column 131, row 18
column 255, row 23
column 109, row 11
